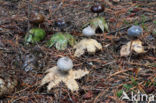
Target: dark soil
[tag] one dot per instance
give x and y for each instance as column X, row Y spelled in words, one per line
column 108, row 71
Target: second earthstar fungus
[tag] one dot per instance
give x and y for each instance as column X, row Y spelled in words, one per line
column 134, row 31
column 91, row 45
column 61, row 40
column 36, row 18
column 100, row 23
column 62, row 24
column 96, row 25
column 97, row 9
column 35, row 35
column 135, row 45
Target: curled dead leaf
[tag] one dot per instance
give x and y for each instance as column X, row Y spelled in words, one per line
column 54, row 77
column 86, row 44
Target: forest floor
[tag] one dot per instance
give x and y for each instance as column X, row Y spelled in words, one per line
column 109, row 72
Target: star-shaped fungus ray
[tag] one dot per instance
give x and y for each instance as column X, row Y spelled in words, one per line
column 86, row 44
column 54, row 76
column 135, row 45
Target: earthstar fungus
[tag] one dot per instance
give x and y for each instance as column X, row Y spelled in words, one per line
column 55, row 75
column 97, row 9
column 87, row 44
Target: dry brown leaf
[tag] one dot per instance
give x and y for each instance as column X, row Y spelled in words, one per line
column 135, row 45
column 86, row 44
column 54, row 77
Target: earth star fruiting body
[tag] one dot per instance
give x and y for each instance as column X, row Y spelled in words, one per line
column 36, row 18
column 97, row 8
column 60, row 23
column 64, row 64
column 89, row 45
column 135, row 31
column 35, row 35
column 54, row 77
column 61, row 40
column 88, row 31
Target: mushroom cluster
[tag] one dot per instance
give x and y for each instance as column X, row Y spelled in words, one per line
column 96, row 23
column 63, row 71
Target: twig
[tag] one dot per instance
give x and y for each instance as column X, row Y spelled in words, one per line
column 119, row 72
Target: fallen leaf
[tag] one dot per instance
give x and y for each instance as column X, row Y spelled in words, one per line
column 54, row 77
column 86, row 44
